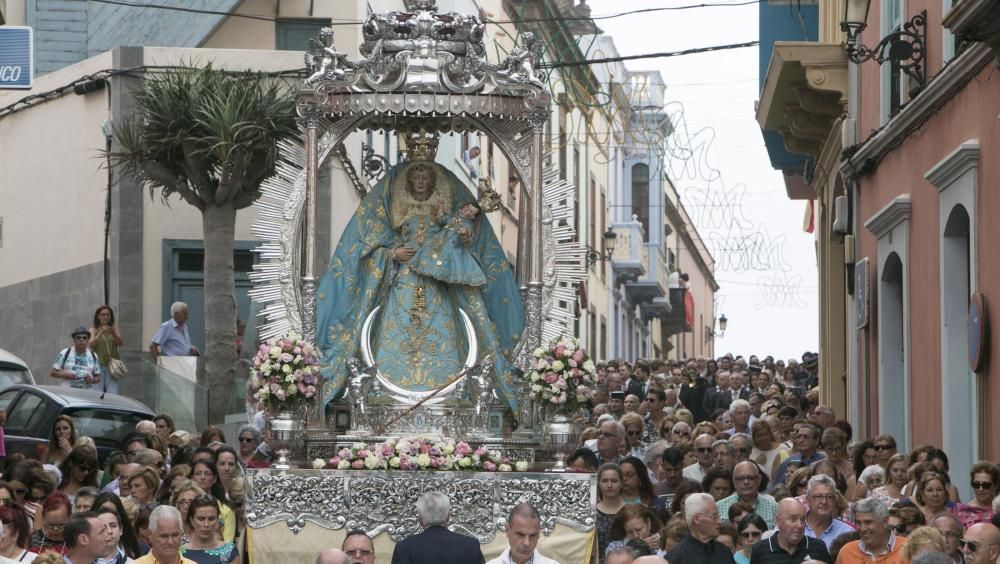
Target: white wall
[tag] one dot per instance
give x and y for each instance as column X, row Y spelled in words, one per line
column 52, row 186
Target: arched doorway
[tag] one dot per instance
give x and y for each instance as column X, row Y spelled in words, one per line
column 959, row 411
column 894, row 389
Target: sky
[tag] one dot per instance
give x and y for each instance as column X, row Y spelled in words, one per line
column 765, row 262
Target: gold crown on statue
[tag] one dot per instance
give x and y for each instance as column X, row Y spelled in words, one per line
column 490, row 201
column 421, row 145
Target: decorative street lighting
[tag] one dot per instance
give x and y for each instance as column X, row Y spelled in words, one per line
column 711, row 334
column 593, row 256
column 904, row 47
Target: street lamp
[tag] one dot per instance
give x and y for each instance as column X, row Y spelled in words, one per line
column 904, row 48
column 610, row 238
column 711, row 334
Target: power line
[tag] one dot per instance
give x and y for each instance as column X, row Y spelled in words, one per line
column 344, row 21
column 692, row 51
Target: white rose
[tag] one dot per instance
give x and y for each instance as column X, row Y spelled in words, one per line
column 504, row 468
column 394, row 462
column 540, row 351
column 465, row 462
column 275, row 351
column 318, row 463
column 372, row 462
column 534, row 376
column 286, row 368
column 589, row 366
column 343, row 465
column 521, row 466
column 423, row 460
column 536, row 388
column 557, row 366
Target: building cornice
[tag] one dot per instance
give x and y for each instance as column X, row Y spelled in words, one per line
column 975, row 20
column 804, row 91
column 957, row 163
column 863, row 159
column 885, row 219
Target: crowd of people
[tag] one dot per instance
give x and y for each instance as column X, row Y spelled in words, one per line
column 704, row 460
column 166, row 496
column 735, row 460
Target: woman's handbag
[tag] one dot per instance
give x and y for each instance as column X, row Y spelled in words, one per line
column 115, row 366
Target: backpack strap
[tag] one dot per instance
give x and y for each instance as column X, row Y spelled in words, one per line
column 62, row 366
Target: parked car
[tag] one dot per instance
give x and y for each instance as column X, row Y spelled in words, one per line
column 13, row 370
column 32, row 410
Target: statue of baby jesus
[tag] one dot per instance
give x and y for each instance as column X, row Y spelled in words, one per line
column 445, row 254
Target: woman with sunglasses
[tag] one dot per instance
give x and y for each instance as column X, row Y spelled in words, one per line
column 16, row 536
column 206, row 475
column 203, row 545
column 750, row 529
column 79, row 470
column 634, row 426
column 249, row 438
column 62, row 437
column 985, row 477
column 55, row 512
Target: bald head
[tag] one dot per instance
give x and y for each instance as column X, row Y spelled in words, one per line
column 789, row 506
column 650, row 560
column 333, row 556
column 986, row 537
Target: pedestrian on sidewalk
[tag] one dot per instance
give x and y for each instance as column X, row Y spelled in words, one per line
column 77, row 365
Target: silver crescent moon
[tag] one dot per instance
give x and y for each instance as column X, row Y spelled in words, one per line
column 412, row 396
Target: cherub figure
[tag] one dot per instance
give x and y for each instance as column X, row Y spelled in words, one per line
column 324, row 58
column 523, row 60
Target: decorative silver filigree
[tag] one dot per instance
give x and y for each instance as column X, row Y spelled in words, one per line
column 318, row 498
column 379, row 501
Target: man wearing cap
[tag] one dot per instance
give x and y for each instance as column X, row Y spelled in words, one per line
column 77, row 366
column 616, row 403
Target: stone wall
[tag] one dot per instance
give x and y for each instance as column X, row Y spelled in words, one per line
column 39, row 314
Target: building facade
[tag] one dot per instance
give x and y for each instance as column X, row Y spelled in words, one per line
column 901, row 170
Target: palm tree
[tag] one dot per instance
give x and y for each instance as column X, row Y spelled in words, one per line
column 209, row 136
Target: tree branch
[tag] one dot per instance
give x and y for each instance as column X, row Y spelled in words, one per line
column 197, row 166
column 162, row 176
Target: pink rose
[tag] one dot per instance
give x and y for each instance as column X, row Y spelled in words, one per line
column 560, row 351
column 358, row 464
column 578, row 356
column 550, row 377
column 489, row 466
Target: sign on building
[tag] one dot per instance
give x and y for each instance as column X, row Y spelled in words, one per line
column 16, row 64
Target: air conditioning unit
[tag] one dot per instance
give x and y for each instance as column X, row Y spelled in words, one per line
column 841, row 221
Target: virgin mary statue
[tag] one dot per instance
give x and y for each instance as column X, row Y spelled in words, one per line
column 418, row 341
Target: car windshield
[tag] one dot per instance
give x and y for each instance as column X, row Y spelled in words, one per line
column 106, row 427
column 11, row 376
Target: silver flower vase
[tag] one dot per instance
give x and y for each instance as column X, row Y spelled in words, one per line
column 284, row 428
column 560, row 436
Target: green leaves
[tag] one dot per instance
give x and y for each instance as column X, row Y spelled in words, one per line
column 206, row 134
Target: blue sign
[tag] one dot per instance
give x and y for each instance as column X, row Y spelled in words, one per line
column 16, row 65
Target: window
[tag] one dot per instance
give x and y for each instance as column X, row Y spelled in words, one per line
column 106, row 427
column 892, row 77
column 26, row 412
column 294, row 34
column 7, row 397
column 640, row 196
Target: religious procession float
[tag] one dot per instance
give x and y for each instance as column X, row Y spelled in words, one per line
column 419, row 358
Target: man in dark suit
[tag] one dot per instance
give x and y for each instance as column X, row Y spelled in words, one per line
column 436, row 544
column 638, row 384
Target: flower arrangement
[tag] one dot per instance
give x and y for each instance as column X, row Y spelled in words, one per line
column 285, row 373
column 421, row 453
column 561, row 375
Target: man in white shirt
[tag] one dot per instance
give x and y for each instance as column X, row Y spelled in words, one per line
column 703, row 452
column 523, row 526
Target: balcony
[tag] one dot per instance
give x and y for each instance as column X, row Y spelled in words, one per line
column 975, row 20
column 649, row 291
column 804, row 93
column 628, row 262
column 676, row 321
